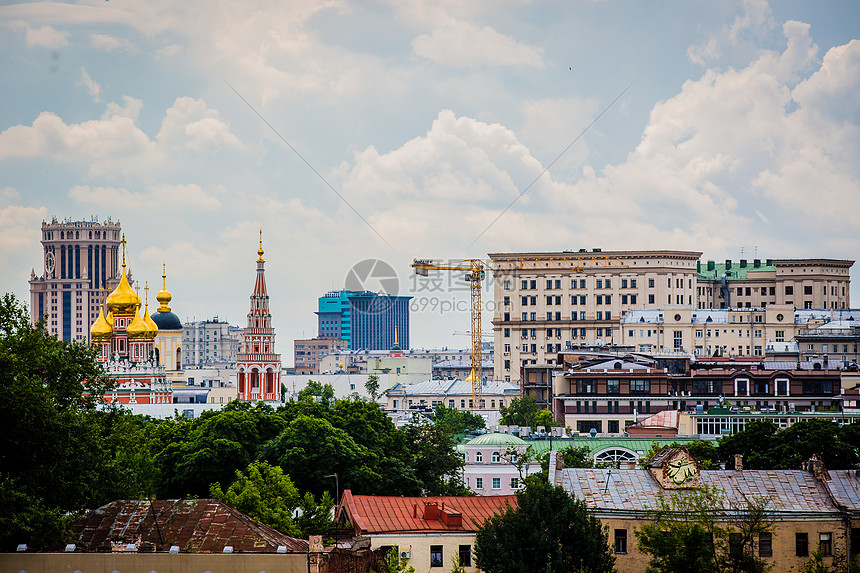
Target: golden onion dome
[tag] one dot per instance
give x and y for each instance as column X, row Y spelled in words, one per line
column 152, row 328
column 123, row 299
column 137, row 329
column 163, row 297
column 101, row 329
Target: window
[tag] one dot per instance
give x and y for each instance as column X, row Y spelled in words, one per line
column 623, row 283
column 640, row 387
column 612, row 425
column 765, row 544
column 825, row 540
column 515, row 483
column 435, row 556
column 650, row 299
column 736, row 545
column 621, row 541
column 613, row 386
column 789, row 290
column 807, row 290
column 507, row 285
column 801, row 543
column 497, row 483
column 479, row 483
column 465, row 555
column 650, row 283
column 479, row 458
column 496, row 457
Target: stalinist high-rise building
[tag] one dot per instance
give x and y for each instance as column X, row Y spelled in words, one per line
column 258, row 366
column 79, row 257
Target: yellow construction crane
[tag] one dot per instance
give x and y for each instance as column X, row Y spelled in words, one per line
column 476, row 271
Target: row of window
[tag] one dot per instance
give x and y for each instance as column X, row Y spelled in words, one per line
column 497, row 483
column 765, row 543
column 555, row 284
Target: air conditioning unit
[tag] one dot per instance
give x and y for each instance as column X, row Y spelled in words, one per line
column 405, row 554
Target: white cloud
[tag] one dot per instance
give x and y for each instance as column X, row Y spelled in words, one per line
column 109, row 43
column 44, row 36
column 462, row 44
column 92, row 86
column 163, row 197
column 751, row 25
column 115, row 143
column 190, row 122
column 21, row 250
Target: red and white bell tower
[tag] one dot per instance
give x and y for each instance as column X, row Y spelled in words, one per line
column 258, row 367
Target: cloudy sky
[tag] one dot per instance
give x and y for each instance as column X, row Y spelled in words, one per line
column 395, row 129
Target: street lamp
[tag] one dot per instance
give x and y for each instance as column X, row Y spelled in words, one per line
column 336, row 489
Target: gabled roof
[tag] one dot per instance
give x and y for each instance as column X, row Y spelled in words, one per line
column 195, row 525
column 637, row 490
column 371, row 514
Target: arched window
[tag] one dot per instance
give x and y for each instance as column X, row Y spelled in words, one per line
column 496, row 457
column 157, row 357
column 179, row 359
column 479, row 457
column 615, row 455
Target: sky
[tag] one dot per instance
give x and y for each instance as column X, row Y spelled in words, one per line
column 398, row 129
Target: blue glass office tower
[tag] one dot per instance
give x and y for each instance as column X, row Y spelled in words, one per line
column 366, row 319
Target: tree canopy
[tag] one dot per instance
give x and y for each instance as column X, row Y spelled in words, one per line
column 548, row 531
column 525, row 411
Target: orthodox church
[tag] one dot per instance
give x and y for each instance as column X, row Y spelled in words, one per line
column 127, row 348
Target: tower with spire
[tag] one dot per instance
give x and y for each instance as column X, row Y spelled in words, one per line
column 126, row 343
column 258, row 366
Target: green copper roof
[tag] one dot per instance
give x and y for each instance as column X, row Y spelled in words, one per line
column 735, row 273
column 497, row 439
column 599, row 444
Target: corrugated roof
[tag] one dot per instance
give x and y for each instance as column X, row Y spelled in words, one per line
column 390, row 514
column 637, row 490
column 454, row 388
column 845, row 487
column 664, row 419
column 195, row 525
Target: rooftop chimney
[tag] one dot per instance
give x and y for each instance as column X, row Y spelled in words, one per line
column 431, row 510
column 739, row 462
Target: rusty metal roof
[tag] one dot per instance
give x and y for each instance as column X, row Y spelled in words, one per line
column 390, row 514
column 195, row 525
column 845, row 486
column 636, row 490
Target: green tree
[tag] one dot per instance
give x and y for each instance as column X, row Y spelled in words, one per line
column 311, row 448
column 53, row 454
column 457, row 421
column 755, row 443
column 192, row 454
column 372, row 386
column 547, row 531
column 764, row 446
column 315, row 389
column 265, row 493
column 520, row 412
column 434, row 459
column 686, row 537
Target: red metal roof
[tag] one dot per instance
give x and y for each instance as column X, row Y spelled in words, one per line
column 390, row 514
column 195, row 525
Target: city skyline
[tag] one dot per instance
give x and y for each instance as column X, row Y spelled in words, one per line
column 356, row 130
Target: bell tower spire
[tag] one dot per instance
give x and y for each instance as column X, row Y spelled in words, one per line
column 258, row 366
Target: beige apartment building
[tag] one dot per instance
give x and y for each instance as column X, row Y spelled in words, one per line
column 547, row 302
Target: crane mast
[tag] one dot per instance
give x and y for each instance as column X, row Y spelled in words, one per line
column 475, row 273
